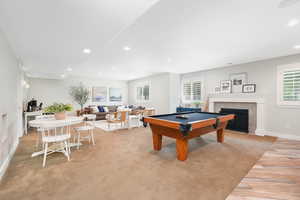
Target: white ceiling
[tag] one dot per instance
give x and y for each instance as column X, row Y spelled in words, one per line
column 164, row 36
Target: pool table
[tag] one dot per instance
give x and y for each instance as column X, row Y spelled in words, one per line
column 184, row 126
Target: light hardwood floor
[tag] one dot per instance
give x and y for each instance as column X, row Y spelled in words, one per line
column 276, row 176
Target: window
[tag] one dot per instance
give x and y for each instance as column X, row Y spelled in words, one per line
column 192, row 90
column 289, row 85
column 143, row 93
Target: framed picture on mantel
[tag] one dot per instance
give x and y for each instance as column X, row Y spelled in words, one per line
column 238, row 80
column 249, row 88
column 226, row 86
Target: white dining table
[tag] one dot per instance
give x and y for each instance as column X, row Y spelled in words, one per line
column 70, row 120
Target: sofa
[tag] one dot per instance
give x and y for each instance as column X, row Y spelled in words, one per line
column 102, row 115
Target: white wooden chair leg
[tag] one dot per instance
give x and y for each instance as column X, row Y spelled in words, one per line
column 78, row 140
column 92, row 135
column 67, row 150
column 68, row 147
column 45, row 154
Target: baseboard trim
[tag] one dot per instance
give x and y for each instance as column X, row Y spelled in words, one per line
column 281, row 135
column 260, row 132
column 7, row 160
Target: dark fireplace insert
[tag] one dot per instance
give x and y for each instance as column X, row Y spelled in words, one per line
column 240, row 122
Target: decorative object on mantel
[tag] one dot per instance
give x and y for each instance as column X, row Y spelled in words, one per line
column 59, row 110
column 99, row 94
column 249, row 88
column 226, row 86
column 80, row 94
column 197, row 104
column 238, row 80
column 217, row 89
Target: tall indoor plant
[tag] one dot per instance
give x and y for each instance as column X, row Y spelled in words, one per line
column 80, row 94
column 59, row 110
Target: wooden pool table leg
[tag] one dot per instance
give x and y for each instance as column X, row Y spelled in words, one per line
column 220, row 135
column 182, row 149
column 157, row 140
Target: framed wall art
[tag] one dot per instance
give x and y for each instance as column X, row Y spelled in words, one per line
column 249, row 88
column 99, row 94
column 115, row 94
column 225, row 86
column 238, row 80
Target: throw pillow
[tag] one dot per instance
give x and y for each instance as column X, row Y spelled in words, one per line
column 106, row 109
column 100, row 108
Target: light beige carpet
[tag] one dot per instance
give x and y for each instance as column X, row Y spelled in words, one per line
column 123, row 165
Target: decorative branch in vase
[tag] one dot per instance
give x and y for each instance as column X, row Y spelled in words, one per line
column 59, row 110
column 80, row 94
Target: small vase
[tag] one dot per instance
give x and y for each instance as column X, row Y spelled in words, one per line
column 60, row 116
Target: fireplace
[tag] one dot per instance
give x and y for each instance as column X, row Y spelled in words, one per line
column 253, row 103
column 241, row 120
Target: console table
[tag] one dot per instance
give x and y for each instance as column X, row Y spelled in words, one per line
column 30, row 114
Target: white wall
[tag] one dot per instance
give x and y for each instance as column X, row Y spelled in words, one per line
column 50, row 91
column 162, row 88
column 174, row 90
column 280, row 121
column 10, row 103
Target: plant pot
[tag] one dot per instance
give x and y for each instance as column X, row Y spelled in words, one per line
column 60, row 116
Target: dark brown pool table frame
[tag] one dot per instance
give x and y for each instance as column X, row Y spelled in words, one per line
column 173, row 129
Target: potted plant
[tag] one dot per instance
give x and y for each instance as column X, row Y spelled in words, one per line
column 59, row 110
column 80, row 94
column 197, row 104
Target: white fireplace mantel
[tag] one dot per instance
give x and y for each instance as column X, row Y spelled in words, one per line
column 259, row 105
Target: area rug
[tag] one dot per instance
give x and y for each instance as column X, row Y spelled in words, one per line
column 112, row 127
column 123, row 166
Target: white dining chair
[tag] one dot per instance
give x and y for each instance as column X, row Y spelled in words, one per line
column 88, row 127
column 39, row 129
column 58, row 137
column 120, row 117
column 135, row 119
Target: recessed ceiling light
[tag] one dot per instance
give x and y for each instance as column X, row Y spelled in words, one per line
column 69, row 69
column 297, row 46
column 63, row 76
column 87, row 51
column 293, row 22
column 126, row 48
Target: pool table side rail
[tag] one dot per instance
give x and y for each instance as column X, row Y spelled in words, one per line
column 162, row 122
column 194, row 124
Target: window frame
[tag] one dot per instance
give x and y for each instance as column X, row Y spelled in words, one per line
column 191, row 81
column 142, row 85
column 280, row 72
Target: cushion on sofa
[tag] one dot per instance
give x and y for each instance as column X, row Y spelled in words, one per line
column 94, row 109
column 112, row 108
column 106, row 109
column 101, row 109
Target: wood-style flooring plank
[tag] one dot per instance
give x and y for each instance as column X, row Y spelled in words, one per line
column 276, row 176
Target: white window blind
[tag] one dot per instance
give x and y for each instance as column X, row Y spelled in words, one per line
column 192, row 90
column 143, row 93
column 291, row 85
column 196, row 90
column 187, row 91
column 139, row 93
